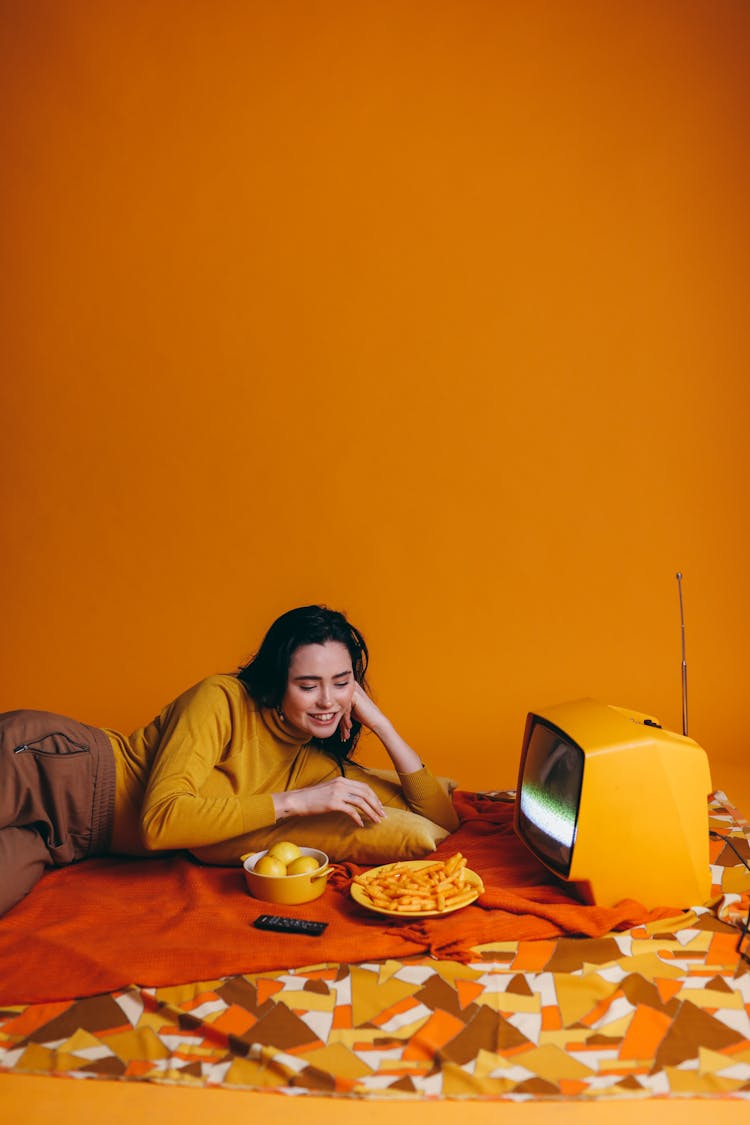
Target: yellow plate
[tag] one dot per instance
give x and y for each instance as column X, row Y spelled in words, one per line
column 359, row 895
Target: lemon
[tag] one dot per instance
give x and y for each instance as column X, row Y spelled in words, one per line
column 285, row 851
column 270, row 865
column 302, row 865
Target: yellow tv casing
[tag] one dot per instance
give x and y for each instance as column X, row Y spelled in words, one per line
column 642, row 826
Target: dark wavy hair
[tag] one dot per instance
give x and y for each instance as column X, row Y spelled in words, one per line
column 266, row 675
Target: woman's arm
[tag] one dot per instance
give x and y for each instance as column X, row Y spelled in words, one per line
column 187, row 743
column 341, row 794
column 423, row 792
column 369, row 714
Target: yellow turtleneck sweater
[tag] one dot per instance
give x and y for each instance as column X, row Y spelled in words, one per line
column 204, row 770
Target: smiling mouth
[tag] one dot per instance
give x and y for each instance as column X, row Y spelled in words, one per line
column 324, row 717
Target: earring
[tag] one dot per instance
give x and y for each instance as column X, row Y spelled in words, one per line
column 282, row 716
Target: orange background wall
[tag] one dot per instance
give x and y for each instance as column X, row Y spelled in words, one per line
column 431, row 310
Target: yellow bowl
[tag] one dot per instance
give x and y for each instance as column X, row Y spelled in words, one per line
column 287, row 890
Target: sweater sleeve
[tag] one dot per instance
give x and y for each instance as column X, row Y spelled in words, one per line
column 194, row 734
column 428, row 797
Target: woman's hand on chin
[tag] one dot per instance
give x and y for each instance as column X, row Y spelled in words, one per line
column 369, row 715
column 365, row 711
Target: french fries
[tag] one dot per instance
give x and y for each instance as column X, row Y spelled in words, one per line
column 402, row 888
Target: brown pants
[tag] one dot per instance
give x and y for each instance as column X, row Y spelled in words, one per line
column 57, row 791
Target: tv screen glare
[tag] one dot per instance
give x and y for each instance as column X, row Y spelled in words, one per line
column 549, row 795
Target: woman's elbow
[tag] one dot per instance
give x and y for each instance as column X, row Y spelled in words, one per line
column 449, row 820
column 154, row 834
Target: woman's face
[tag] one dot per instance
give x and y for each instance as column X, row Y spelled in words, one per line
column 319, row 689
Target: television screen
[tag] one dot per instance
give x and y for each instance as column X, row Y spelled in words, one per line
column 549, row 794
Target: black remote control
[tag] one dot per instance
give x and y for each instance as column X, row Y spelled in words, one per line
column 289, row 925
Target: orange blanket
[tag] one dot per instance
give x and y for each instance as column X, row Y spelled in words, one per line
column 110, row 922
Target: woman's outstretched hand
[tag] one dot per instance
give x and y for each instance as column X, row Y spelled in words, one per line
column 342, row 794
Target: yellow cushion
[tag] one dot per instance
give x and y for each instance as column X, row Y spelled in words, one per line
column 400, row 835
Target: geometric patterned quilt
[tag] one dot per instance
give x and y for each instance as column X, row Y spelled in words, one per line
column 657, row 1012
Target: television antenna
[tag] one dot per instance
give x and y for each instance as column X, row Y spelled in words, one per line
column 684, row 660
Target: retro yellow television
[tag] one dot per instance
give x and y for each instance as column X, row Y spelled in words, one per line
column 615, row 805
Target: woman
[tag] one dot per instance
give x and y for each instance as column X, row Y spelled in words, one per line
column 234, row 758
